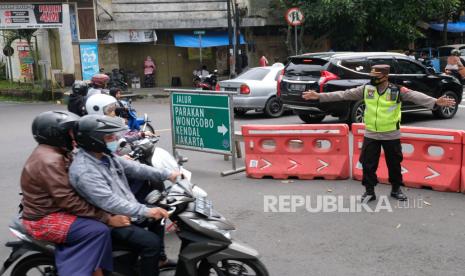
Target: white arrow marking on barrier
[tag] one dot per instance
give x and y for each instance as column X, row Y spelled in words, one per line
column 403, row 170
column 434, row 173
column 324, row 165
column 267, row 164
column 294, row 164
column 222, row 129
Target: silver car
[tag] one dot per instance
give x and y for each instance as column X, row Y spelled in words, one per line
column 256, row 90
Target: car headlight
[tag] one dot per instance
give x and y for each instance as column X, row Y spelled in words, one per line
column 211, row 226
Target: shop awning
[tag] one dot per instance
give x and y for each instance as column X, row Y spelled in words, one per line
column 458, row 27
column 209, row 39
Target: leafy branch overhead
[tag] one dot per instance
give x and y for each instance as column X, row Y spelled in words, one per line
column 371, row 24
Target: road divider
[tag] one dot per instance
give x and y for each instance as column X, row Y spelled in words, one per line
column 432, row 158
column 301, row 151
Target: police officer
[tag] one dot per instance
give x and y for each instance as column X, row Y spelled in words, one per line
column 382, row 115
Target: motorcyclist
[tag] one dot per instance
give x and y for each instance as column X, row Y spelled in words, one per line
column 99, row 83
column 100, row 177
column 76, row 103
column 121, row 109
column 107, row 105
column 53, row 211
column 454, row 64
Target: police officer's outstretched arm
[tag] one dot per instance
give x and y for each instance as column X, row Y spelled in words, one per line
column 353, row 94
column 425, row 100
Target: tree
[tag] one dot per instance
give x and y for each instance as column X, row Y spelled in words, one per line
column 371, row 24
column 26, row 34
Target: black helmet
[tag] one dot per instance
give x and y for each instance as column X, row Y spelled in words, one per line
column 91, row 129
column 114, row 91
column 51, row 128
column 80, row 88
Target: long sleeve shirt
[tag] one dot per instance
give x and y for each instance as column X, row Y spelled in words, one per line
column 103, row 182
column 356, row 94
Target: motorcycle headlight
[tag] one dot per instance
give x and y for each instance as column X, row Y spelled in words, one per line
column 211, row 226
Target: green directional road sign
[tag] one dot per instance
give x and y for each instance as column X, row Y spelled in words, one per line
column 201, row 122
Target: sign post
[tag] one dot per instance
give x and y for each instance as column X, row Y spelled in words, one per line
column 200, row 33
column 295, row 17
column 203, row 121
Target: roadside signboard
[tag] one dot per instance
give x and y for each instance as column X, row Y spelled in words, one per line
column 201, row 122
column 31, row 16
column 89, row 59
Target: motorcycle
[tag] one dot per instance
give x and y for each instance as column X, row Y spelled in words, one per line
column 207, row 247
column 456, row 74
column 117, row 79
column 134, row 122
column 209, row 83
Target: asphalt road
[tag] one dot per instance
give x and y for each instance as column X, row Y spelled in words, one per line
column 407, row 241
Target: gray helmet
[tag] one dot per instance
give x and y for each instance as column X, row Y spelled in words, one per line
column 51, row 128
column 91, row 130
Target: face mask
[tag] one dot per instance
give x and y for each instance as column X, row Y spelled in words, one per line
column 112, row 146
column 376, row 81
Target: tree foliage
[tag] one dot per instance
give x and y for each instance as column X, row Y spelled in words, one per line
column 371, row 24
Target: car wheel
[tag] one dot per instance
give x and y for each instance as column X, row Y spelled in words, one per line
column 274, row 107
column 240, row 111
column 311, row 118
column 447, row 112
column 357, row 111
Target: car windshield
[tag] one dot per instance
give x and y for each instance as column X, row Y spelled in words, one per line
column 254, row 74
column 303, row 66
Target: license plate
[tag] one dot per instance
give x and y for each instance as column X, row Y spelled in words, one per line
column 232, row 89
column 297, row 87
column 203, row 206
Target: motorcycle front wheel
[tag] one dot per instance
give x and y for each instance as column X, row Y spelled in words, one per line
column 233, row 267
column 36, row 264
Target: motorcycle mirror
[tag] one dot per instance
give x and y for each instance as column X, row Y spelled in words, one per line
column 122, row 142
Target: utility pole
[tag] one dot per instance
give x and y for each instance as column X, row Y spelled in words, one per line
column 237, row 36
column 230, row 36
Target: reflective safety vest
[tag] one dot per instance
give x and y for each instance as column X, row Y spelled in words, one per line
column 382, row 112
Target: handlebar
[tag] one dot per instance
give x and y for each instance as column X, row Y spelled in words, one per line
column 170, row 212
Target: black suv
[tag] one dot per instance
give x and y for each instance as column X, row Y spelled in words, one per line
column 331, row 71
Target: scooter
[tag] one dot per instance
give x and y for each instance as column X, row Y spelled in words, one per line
column 134, row 122
column 207, row 247
column 209, row 83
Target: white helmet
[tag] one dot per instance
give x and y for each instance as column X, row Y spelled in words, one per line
column 100, row 104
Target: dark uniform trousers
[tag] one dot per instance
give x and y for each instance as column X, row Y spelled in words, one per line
column 369, row 158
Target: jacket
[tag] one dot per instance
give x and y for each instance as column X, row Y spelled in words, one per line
column 103, row 182
column 46, row 189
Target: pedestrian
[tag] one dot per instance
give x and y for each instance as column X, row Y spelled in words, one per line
column 263, row 61
column 149, row 70
column 382, row 116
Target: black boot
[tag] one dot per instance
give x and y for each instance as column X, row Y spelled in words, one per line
column 369, row 194
column 398, row 194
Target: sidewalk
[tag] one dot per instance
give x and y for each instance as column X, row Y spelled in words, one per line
column 150, row 94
